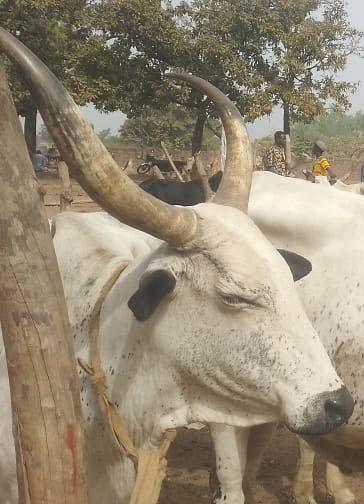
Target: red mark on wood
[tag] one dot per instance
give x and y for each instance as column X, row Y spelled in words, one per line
column 71, row 443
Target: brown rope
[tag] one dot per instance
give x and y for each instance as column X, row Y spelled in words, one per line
column 150, row 465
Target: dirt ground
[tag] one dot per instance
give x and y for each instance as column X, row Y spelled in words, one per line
column 191, row 456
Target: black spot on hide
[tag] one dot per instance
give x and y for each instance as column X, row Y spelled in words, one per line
column 153, row 288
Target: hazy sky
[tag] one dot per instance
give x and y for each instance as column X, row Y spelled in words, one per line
column 353, row 72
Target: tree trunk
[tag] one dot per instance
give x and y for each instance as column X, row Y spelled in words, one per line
column 30, row 131
column 197, row 136
column 207, row 192
column 287, row 132
column 37, row 338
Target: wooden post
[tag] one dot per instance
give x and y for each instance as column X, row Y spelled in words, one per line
column 65, row 197
column 188, row 168
column 207, row 192
column 37, row 338
column 166, row 153
column 42, row 191
column 129, row 165
column 157, row 173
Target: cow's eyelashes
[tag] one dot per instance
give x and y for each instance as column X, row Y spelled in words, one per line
column 236, row 301
column 232, row 299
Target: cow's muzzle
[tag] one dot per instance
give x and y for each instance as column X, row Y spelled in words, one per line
column 325, row 413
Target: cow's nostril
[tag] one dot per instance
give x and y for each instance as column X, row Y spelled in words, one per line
column 335, row 408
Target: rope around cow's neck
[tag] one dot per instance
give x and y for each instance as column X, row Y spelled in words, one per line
column 150, row 465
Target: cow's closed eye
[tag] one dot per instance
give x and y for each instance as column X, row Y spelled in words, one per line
column 154, row 286
column 235, row 301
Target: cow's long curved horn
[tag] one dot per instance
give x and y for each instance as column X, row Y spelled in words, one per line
column 91, row 163
column 235, row 186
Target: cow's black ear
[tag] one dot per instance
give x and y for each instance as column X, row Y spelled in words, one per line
column 153, row 288
column 299, row 266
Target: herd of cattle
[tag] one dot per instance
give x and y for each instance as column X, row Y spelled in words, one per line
column 191, row 193
column 204, row 322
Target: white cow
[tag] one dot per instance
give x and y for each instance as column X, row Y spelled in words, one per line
column 341, row 186
column 326, row 227
column 206, row 328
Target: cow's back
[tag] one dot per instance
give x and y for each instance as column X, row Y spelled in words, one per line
column 174, row 192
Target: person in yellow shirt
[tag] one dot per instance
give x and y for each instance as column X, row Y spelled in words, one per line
column 321, row 165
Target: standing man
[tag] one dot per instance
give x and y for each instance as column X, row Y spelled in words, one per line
column 39, row 162
column 274, row 160
column 53, row 157
column 321, row 164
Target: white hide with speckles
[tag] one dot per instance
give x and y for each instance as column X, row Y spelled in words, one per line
column 195, row 358
column 340, row 186
column 326, row 227
column 333, row 294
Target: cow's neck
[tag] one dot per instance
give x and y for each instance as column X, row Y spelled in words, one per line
column 140, row 381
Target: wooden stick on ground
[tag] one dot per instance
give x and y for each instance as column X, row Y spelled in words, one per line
column 129, row 165
column 345, row 177
column 65, row 197
column 37, row 336
column 166, row 153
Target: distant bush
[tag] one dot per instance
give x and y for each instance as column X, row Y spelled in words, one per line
column 343, row 134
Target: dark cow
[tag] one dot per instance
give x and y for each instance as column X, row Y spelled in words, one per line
column 163, row 165
column 180, row 193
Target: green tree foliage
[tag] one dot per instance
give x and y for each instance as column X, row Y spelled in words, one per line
column 259, row 52
column 309, row 44
column 172, row 126
column 104, row 134
column 146, row 39
column 331, row 125
column 60, row 33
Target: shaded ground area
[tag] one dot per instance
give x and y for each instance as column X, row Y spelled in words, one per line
column 51, row 184
column 191, row 456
